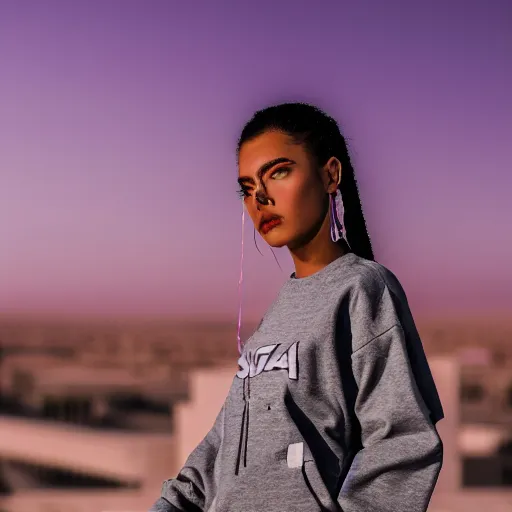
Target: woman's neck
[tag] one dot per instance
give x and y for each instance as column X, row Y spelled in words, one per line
column 314, row 256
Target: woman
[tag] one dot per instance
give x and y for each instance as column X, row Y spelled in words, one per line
column 334, row 406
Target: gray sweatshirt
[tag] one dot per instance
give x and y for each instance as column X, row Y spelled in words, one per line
column 333, row 407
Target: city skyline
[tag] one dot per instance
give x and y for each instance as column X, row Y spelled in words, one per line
column 118, row 191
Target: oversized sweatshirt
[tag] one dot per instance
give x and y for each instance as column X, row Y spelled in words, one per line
column 333, row 407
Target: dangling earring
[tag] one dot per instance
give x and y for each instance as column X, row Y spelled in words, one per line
column 337, row 216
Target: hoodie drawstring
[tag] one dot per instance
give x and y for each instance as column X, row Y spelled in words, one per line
column 247, row 419
column 244, row 428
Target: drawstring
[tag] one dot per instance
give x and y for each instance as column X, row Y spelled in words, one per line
column 247, row 419
column 240, row 442
column 240, row 280
column 244, row 428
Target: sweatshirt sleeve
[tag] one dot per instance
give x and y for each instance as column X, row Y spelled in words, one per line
column 194, row 487
column 400, row 455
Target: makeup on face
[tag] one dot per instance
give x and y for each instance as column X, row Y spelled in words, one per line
column 247, row 183
column 270, row 224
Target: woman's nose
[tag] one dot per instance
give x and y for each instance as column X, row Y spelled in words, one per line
column 262, row 198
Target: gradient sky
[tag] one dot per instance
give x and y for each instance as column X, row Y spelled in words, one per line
column 119, row 120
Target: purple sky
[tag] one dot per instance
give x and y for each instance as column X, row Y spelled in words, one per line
column 118, row 125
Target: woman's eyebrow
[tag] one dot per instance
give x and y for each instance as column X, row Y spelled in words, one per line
column 265, row 167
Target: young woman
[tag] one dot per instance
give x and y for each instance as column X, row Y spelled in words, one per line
column 334, row 406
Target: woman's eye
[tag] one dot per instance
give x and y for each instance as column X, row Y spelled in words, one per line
column 280, row 173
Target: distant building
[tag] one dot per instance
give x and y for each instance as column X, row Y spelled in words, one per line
column 78, row 401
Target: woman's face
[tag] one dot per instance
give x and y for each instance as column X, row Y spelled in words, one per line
column 294, row 191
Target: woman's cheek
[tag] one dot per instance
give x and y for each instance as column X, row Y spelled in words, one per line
column 289, row 193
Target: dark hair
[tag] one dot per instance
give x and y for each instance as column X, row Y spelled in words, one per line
column 321, row 135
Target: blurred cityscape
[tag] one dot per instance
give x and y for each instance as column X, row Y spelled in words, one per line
column 94, row 416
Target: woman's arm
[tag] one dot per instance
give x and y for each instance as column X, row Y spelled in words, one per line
column 195, row 485
column 396, row 401
column 401, row 456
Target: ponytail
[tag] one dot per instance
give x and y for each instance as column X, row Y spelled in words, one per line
column 355, row 223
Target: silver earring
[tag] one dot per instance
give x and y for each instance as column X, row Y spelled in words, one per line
column 338, row 230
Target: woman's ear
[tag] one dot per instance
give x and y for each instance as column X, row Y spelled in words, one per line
column 332, row 174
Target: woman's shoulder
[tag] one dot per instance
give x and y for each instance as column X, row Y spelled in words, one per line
column 373, row 298
column 370, row 277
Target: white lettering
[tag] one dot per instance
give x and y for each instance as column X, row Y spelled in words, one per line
column 267, row 359
column 293, row 370
column 244, row 366
column 261, row 357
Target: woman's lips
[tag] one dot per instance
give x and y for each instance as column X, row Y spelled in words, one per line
column 269, row 225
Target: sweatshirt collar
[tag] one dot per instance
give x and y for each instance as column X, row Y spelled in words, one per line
column 323, row 272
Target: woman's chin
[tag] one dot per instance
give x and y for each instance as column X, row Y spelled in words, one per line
column 276, row 239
